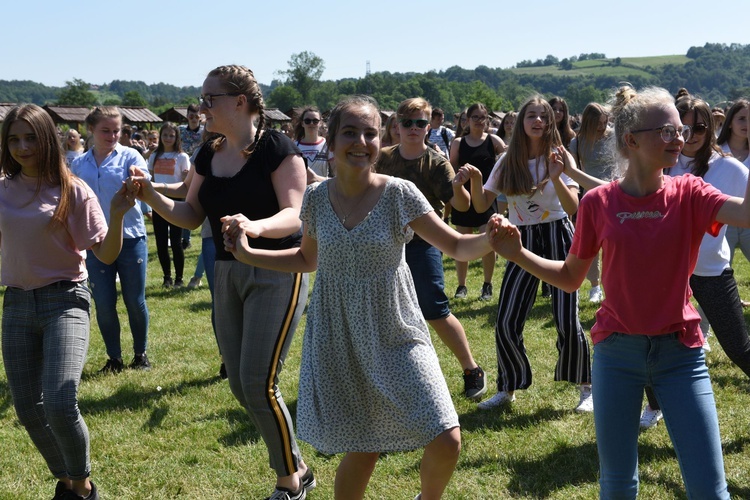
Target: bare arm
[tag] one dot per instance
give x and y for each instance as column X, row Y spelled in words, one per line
column 568, row 274
column 464, row 247
column 109, row 248
column 188, row 214
column 292, row 260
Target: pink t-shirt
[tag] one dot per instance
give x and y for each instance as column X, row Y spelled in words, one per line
column 33, row 254
column 649, row 249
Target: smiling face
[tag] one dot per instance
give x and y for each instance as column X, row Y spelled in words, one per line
column 699, row 136
column 106, row 134
column 168, row 138
column 649, row 147
column 356, row 143
column 23, row 146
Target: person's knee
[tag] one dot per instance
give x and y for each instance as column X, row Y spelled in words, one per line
column 448, row 443
column 60, row 412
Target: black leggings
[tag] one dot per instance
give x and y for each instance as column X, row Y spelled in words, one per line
column 164, row 231
column 720, row 300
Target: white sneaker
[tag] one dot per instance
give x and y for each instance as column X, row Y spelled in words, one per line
column 706, row 345
column 498, row 399
column 586, row 403
column 649, row 417
column 595, row 294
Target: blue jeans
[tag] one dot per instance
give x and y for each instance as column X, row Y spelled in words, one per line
column 131, row 266
column 426, row 265
column 623, row 366
column 45, row 340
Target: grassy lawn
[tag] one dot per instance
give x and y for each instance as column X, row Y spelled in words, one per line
column 176, row 431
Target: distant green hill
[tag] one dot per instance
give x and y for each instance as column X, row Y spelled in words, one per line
column 716, row 72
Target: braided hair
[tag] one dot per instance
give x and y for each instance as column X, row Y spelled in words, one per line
column 235, row 78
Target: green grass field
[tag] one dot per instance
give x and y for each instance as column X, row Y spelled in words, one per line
column 177, row 432
column 630, row 66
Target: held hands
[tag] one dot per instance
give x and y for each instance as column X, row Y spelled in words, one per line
column 504, row 237
column 233, row 229
column 122, row 201
column 466, row 173
column 139, row 182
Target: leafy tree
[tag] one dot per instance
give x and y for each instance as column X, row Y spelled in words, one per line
column 305, row 70
column 285, row 97
column 133, row 98
column 76, row 93
column 566, row 65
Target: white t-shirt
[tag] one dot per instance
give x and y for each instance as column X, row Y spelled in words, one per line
column 730, row 177
column 169, row 167
column 316, row 155
column 725, row 147
column 541, row 206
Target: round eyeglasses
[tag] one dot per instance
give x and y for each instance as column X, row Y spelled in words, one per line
column 668, row 133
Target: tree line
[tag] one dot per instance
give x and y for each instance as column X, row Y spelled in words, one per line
column 716, row 72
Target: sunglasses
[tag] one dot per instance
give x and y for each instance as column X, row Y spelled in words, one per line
column 311, row 121
column 478, row 118
column 408, row 122
column 699, row 129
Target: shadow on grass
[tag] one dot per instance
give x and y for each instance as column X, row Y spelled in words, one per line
column 6, row 401
column 130, row 396
column 504, row 417
column 199, row 306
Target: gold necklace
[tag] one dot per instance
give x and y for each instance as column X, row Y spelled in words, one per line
column 356, row 205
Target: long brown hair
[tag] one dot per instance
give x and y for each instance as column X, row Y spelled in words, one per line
column 514, row 177
column 53, row 169
column 726, row 130
column 587, row 135
column 698, row 107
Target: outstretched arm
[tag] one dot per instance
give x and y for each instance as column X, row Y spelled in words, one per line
column 505, row 239
column 463, row 247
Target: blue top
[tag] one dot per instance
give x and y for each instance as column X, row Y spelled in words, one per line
column 106, row 179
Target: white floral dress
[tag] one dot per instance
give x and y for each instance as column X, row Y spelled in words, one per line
column 370, row 379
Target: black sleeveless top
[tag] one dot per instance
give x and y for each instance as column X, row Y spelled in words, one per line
column 249, row 192
column 482, row 157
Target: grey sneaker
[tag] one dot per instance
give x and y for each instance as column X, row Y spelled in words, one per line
column 461, row 292
column 475, row 383
column 195, row 282
column 650, row 417
column 282, row 493
column 499, row 399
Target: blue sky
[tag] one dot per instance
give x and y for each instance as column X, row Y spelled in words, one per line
column 179, row 42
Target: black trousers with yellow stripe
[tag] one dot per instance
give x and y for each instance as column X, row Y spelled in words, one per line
column 257, row 311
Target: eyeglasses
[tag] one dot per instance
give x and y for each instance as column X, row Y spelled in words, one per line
column 193, row 116
column 418, row 123
column 208, row 99
column 668, row 133
column 477, row 118
column 313, row 121
column 699, row 128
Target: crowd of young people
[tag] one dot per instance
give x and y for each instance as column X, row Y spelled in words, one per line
column 371, row 222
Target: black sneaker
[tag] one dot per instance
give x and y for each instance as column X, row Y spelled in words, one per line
column 308, row 480
column 178, row 283
column 140, row 362
column 475, row 383
column 461, row 292
column 186, row 244
column 113, row 366
column 168, row 283
column 60, row 490
column 546, row 290
column 70, row 494
column 223, row 372
column 486, row 292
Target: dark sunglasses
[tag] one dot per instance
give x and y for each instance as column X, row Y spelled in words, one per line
column 699, row 129
column 311, row 121
column 408, row 122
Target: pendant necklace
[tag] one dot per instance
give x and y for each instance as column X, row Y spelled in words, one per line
column 356, row 205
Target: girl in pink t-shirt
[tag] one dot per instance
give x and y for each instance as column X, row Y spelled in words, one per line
column 649, row 227
column 48, row 218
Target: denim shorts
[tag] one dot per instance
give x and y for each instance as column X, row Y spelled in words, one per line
column 426, row 265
